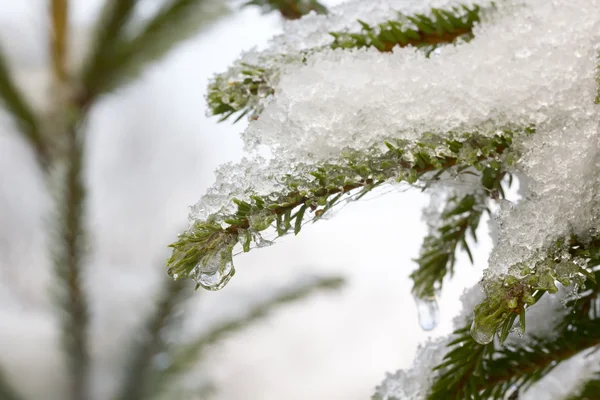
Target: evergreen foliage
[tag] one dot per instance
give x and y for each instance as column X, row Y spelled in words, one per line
column 121, row 49
column 421, row 31
column 242, row 94
column 482, row 361
column 208, row 246
column 460, row 218
column 493, row 371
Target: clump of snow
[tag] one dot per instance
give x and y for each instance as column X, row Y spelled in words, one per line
column 413, row 384
column 561, row 165
column 532, row 63
column 510, row 73
column 238, row 180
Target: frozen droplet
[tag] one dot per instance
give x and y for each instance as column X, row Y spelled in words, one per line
column 481, row 333
column 218, row 279
column 262, row 242
column 216, row 272
column 428, row 311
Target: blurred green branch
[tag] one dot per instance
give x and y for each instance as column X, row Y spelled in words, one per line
column 119, row 58
column 149, row 342
column 7, row 392
column 115, row 15
column 68, row 261
column 120, row 50
column 289, row 9
column 21, row 111
column 183, row 357
column 59, row 42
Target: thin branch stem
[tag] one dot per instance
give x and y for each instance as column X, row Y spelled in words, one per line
column 59, row 38
column 69, row 265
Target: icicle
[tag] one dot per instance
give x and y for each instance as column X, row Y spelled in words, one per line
column 429, row 312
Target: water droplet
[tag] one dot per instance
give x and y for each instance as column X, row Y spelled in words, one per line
column 518, row 330
column 482, row 334
column 429, row 312
column 216, row 272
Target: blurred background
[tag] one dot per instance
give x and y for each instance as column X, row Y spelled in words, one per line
column 151, row 154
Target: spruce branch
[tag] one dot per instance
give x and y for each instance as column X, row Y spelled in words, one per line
column 481, row 371
column 419, row 30
column 289, row 9
column 460, row 217
column 69, row 266
column 242, row 92
column 205, row 251
column 7, row 392
column 21, row 111
column 474, row 371
column 58, row 41
column 176, row 21
column 461, row 369
column 184, row 356
column 149, row 343
column 508, row 297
